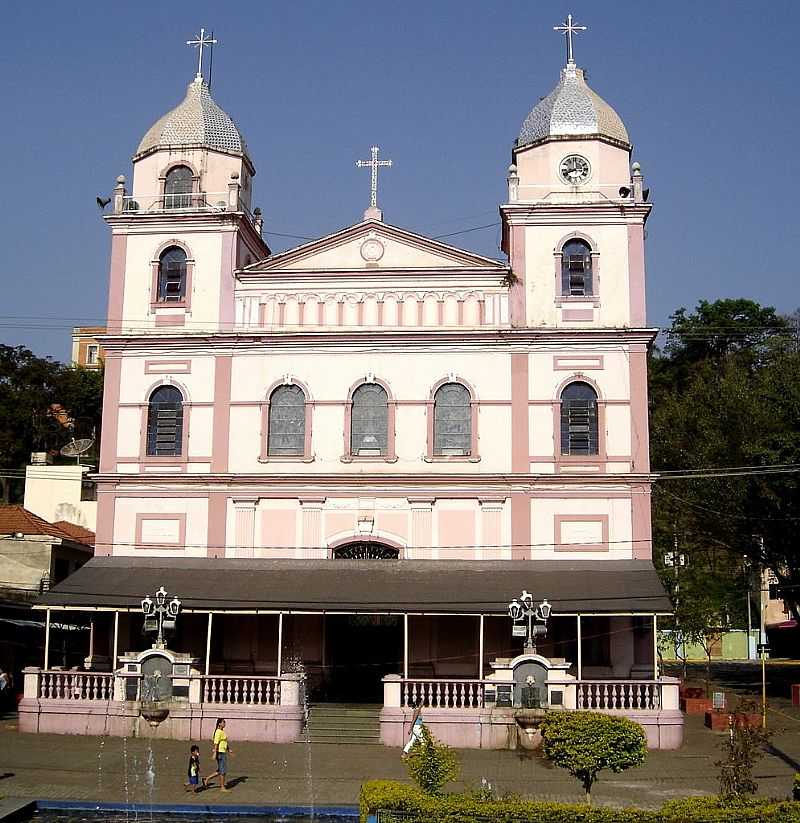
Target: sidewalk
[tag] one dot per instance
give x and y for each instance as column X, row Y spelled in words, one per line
column 110, row 769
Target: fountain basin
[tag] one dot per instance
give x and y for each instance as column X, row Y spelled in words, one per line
column 529, row 735
column 154, row 713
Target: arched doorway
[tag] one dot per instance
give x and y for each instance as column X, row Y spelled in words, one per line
column 362, row 648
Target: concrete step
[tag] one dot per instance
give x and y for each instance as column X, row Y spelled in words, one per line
column 344, row 723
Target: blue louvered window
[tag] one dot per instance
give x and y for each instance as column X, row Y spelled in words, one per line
column 172, row 275
column 178, row 188
column 576, row 269
column 579, row 419
column 165, row 422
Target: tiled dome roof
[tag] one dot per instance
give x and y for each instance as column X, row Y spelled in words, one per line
column 572, row 108
column 197, row 121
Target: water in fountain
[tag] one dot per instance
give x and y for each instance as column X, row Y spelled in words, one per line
column 150, row 774
column 125, row 775
column 294, row 665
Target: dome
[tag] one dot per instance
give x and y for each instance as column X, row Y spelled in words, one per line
column 197, row 121
column 572, row 108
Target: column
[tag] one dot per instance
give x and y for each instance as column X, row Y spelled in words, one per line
column 580, row 650
column 311, row 532
column 245, row 526
column 405, row 646
column 115, row 652
column 480, row 647
column 421, row 529
column 655, row 647
column 208, row 642
column 47, row 640
column 280, row 642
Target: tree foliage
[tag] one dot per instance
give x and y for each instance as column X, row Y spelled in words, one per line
column 725, row 392
column 743, row 747
column 586, row 743
column 43, row 404
column 430, row 764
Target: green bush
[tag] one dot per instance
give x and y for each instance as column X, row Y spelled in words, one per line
column 430, row 764
column 585, row 743
column 416, row 806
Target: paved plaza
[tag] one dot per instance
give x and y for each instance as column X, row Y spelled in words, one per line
column 112, row 769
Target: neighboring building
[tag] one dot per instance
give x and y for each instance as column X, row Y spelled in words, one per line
column 352, row 454
column 34, row 555
column 62, row 492
column 86, row 348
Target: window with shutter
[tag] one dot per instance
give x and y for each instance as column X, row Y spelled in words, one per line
column 579, row 433
column 287, row 421
column 452, row 420
column 165, row 422
column 576, row 269
column 178, row 188
column 369, row 421
column 172, row 275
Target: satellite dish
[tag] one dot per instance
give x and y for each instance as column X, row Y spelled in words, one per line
column 77, row 447
column 624, row 191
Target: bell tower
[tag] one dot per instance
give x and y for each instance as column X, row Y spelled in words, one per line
column 186, row 222
column 573, row 226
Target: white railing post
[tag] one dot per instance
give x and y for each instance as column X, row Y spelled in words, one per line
column 670, row 698
column 392, row 684
column 290, row 689
column 30, row 689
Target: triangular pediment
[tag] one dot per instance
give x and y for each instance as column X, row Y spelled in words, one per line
column 375, row 246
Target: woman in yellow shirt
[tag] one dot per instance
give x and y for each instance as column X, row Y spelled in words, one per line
column 220, row 753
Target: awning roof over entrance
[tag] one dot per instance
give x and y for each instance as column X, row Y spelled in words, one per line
column 446, row 586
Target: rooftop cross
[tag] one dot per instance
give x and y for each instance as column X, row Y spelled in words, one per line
column 569, row 28
column 200, row 41
column 373, row 163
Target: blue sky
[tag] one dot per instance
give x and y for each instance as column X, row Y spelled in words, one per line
column 708, row 93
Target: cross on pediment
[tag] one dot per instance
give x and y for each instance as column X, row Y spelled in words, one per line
column 200, row 41
column 373, row 164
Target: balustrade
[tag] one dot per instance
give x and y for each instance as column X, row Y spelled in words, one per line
column 443, row 694
column 242, row 691
column 73, row 685
column 618, row 695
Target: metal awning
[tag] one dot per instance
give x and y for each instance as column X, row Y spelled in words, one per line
column 365, row 586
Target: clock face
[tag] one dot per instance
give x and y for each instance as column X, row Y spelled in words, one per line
column 574, row 169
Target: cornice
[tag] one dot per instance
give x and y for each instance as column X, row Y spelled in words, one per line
column 239, row 341
column 570, row 212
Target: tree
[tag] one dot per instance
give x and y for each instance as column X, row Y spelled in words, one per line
column 586, row 743
column 743, row 746
column 43, row 404
column 726, row 392
column 431, row 765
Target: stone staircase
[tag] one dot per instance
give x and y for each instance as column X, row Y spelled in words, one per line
column 344, row 723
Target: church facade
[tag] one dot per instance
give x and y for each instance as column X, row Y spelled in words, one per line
column 348, row 457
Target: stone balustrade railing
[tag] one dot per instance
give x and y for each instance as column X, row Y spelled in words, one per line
column 437, row 693
column 74, row 685
column 242, row 691
column 218, row 690
column 618, row 695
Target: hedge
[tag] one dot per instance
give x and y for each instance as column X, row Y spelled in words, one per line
column 416, row 807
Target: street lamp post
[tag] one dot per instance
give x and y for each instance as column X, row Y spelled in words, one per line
column 160, row 616
column 523, row 608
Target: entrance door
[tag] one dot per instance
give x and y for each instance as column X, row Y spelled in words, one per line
column 360, row 650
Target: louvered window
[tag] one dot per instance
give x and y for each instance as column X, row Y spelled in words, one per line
column 172, row 275
column 287, row 421
column 576, row 269
column 165, row 422
column 452, row 420
column 579, row 419
column 178, row 188
column 369, row 422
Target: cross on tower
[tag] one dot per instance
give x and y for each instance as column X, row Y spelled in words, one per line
column 373, row 164
column 200, row 41
column 569, row 28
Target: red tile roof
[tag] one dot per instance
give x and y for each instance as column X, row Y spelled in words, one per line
column 17, row 518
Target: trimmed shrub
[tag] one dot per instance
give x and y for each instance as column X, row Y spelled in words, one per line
column 585, row 743
column 415, row 806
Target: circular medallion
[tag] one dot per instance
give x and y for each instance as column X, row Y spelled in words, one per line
column 372, row 249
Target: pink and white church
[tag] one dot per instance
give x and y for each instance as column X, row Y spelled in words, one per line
column 347, row 458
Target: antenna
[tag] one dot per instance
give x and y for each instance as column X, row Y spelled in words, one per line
column 211, row 60
column 76, row 448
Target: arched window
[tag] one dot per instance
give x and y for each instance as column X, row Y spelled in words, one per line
column 178, row 188
column 366, row 550
column 165, row 422
column 452, row 420
column 287, row 421
column 579, row 419
column 172, row 275
column 576, row 269
column 369, row 421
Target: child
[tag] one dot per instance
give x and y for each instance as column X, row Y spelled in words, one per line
column 194, row 770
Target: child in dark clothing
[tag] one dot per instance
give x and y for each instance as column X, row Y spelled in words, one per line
column 194, row 770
